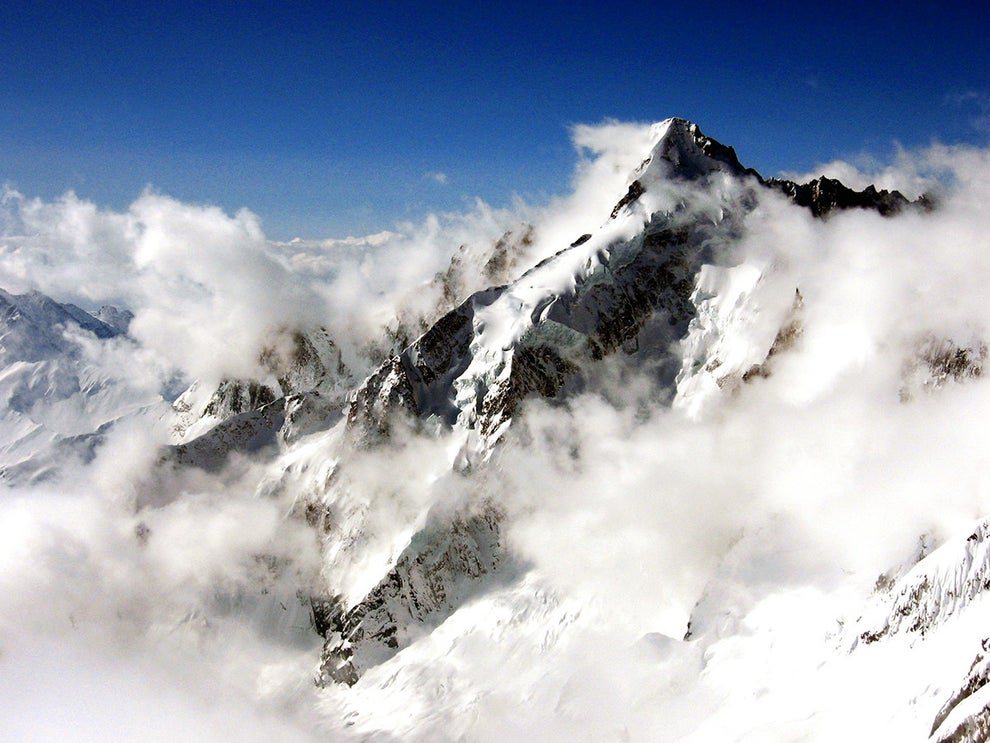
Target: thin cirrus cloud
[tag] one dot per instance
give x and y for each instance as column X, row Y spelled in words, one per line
column 437, row 177
column 977, row 105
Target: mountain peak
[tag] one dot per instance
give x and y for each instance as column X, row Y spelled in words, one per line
column 679, row 151
column 681, row 144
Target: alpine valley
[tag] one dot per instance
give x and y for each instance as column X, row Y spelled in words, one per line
column 690, row 454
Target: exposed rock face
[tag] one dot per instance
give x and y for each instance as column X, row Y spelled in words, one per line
column 116, row 318
column 305, row 392
column 234, row 397
column 694, row 155
column 636, row 301
column 825, row 195
column 959, row 720
column 939, row 361
column 786, row 338
column 472, row 268
column 432, row 577
column 657, row 279
column 384, row 395
column 974, row 729
column 938, row 589
column 508, row 251
column 635, row 191
column 254, row 431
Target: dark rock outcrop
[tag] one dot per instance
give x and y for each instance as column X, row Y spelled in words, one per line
column 826, row 195
column 437, row 572
column 972, row 728
column 307, row 394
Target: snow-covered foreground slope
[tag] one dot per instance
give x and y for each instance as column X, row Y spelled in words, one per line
column 691, row 455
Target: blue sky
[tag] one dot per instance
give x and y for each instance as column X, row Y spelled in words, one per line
column 329, row 119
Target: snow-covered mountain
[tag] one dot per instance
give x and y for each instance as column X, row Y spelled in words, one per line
column 651, row 286
column 60, row 388
column 305, row 390
column 635, row 483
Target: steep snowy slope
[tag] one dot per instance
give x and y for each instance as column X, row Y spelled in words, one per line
column 630, row 286
column 657, row 285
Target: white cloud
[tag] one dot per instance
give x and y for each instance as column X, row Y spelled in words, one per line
column 773, row 508
column 108, row 631
column 205, row 290
column 977, row 101
column 769, row 518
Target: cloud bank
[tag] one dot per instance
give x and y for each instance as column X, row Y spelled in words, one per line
column 763, row 516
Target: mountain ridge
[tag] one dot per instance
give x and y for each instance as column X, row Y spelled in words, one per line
column 605, row 293
column 471, row 500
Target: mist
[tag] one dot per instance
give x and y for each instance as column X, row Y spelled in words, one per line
column 743, row 513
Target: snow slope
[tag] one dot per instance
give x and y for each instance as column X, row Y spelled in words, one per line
column 710, row 468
